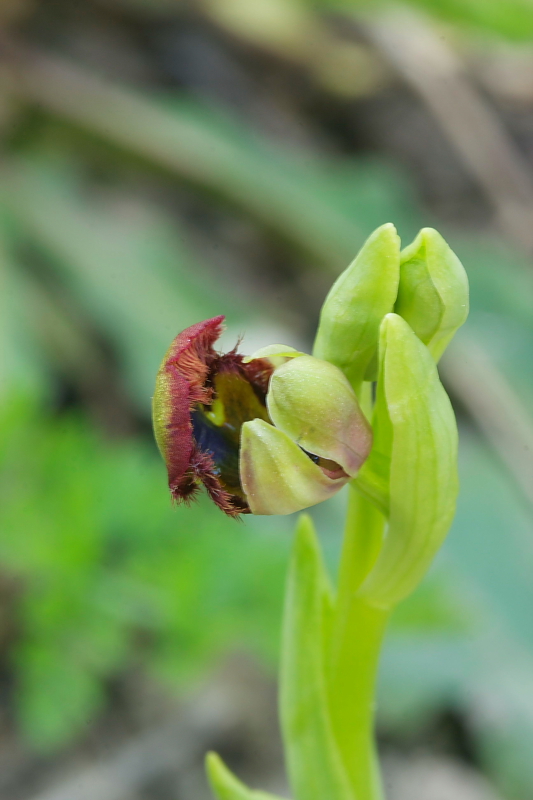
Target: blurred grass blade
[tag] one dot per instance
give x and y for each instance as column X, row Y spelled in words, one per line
column 226, row 786
column 259, row 182
column 500, row 412
column 20, row 365
column 313, row 761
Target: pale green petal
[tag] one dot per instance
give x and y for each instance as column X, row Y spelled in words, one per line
column 312, row 402
column 277, row 354
column 433, row 291
column 276, row 475
column 348, row 332
column 417, row 421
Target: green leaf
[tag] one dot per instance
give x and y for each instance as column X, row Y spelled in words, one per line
column 226, row 786
column 348, row 332
column 414, row 409
column 314, row 763
column 433, row 291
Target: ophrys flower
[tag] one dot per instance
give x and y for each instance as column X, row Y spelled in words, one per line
column 268, row 434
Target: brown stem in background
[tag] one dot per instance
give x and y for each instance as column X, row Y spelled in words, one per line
column 190, row 150
column 485, row 148
column 496, row 408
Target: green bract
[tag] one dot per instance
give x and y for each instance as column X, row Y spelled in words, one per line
column 433, row 290
column 357, row 302
column 414, row 461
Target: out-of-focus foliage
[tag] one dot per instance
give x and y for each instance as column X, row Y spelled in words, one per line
column 110, row 244
column 286, row 25
column 109, row 575
column 509, row 18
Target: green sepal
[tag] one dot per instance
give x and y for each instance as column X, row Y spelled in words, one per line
column 415, row 427
column 433, row 290
column 226, row 786
column 314, row 763
column 348, row 331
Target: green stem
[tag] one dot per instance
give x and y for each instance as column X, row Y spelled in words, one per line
column 356, row 639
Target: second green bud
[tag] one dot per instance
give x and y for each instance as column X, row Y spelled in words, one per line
column 433, row 291
column 348, row 331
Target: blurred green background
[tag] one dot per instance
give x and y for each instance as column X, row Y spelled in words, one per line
column 167, row 161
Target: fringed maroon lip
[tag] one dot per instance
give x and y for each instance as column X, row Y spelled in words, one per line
column 201, row 400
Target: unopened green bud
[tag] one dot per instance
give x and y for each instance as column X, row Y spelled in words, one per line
column 413, row 466
column 357, row 302
column 433, row 291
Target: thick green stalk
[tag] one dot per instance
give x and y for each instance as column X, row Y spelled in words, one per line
column 356, row 639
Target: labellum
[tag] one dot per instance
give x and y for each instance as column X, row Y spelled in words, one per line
column 201, row 400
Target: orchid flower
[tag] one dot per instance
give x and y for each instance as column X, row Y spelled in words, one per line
column 279, row 431
column 272, row 433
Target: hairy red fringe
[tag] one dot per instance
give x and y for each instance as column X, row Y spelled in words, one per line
column 187, row 366
column 190, row 362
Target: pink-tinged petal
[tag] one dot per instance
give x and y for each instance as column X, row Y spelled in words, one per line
column 278, row 476
column 312, row 402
